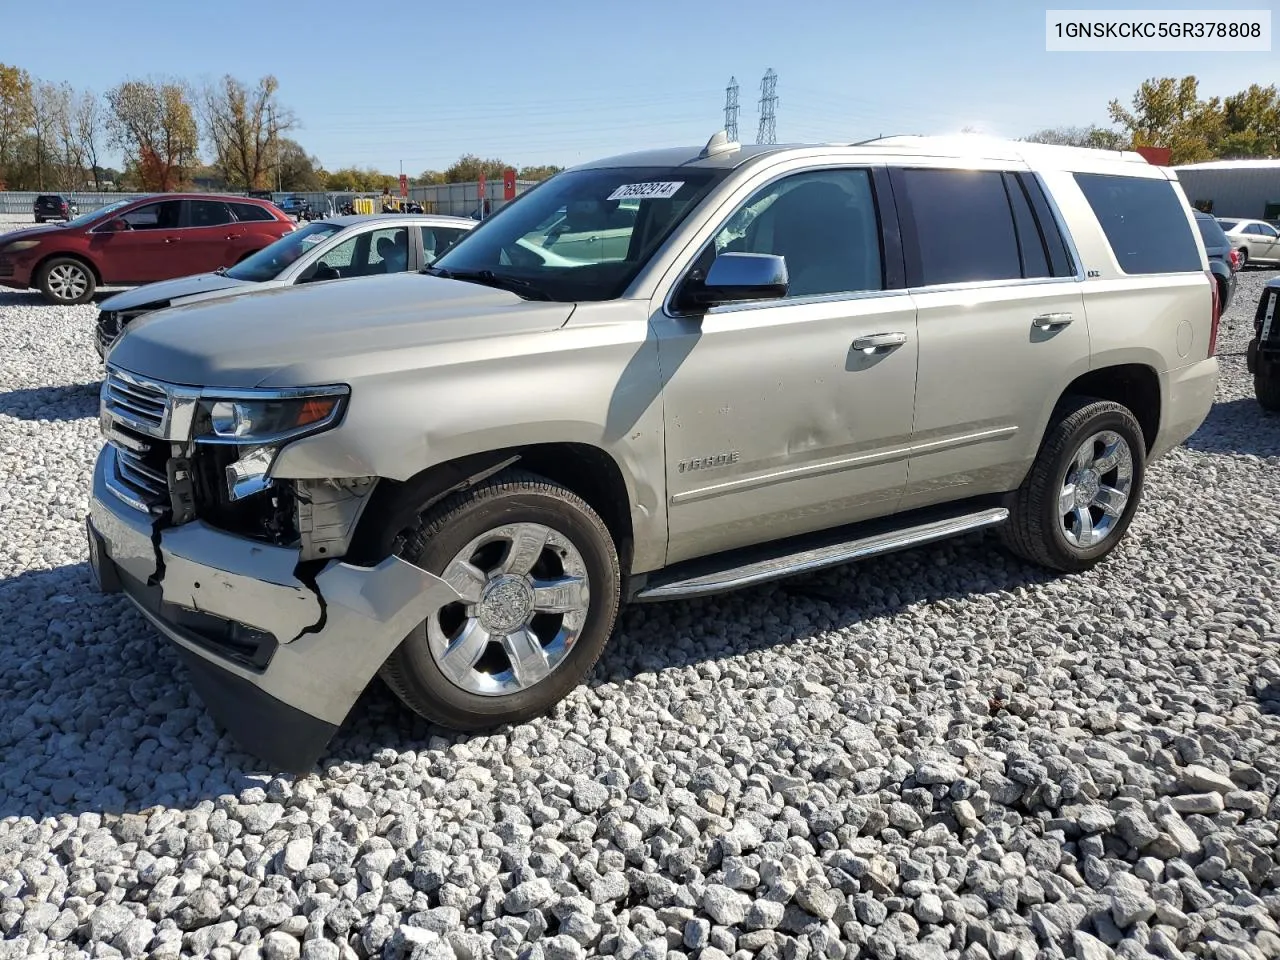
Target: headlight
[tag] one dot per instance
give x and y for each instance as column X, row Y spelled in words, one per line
column 260, row 424
column 17, row 245
column 271, row 418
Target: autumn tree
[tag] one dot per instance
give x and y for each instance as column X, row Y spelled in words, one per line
column 468, row 167
column 298, row 169
column 427, row 177
column 1168, row 112
column 15, row 113
column 46, row 103
column 1098, row 138
column 539, row 172
column 244, row 125
column 87, row 124
column 154, row 123
column 1251, row 123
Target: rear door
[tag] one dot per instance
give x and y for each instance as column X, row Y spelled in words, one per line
column 211, row 237
column 1001, row 325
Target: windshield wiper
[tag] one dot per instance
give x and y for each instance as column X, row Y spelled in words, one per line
column 522, row 288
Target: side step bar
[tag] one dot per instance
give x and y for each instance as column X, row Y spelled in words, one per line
column 819, row 558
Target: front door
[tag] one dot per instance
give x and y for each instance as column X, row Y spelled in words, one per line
column 793, row 415
column 147, row 251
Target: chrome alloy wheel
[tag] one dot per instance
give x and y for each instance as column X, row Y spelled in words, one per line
column 525, row 595
column 1096, row 489
column 68, row 281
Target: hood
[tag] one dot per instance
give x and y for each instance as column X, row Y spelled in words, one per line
column 27, row 233
column 167, row 290
column 288, row 336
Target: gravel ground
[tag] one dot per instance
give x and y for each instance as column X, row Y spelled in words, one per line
column 939, row 754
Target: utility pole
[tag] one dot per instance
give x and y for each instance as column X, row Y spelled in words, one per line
column 731, row 110
column 768, row 130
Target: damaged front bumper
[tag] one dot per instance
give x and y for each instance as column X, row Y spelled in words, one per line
column 279, row 662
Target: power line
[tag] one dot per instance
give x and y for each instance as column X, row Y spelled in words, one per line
column 768, row 130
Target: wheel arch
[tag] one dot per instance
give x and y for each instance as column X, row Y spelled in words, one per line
column 68, row 255
column 584, row 469
column 1133, row 385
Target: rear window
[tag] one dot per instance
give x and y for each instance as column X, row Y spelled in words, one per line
column 1144, row 222
column 1211, row 233
column 1228, row 224
column 251, row 211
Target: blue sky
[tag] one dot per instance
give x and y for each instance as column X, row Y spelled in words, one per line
column 569, row 80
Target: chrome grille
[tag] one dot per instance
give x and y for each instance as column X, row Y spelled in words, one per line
column 147, row 481
column 135, row 402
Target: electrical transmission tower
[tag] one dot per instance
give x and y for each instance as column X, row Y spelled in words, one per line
column 768, row 132
column 731, row 109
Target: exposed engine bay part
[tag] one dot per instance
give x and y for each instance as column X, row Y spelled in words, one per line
column 326, row 513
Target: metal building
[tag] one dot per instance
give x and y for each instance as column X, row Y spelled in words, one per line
column 1249, row 189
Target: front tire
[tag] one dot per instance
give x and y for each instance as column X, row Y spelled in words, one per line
column 1082, row 490
column 1266, row 386
column 540, row 578
column 66, row 281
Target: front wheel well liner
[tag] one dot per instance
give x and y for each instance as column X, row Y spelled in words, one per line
column 1133, row 385
column 586, row 470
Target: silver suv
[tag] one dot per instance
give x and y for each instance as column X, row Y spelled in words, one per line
column 796, row 356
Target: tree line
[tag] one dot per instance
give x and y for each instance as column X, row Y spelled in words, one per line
column 1169, row 112
column 173, row 135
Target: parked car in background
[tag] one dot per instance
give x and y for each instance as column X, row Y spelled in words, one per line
column 1256, row 241
column 454, row 480
column 1263, row 356
column 297, row 207
column 54, row 206
column 138, row 241
column 1223, row 259
column 330, row 249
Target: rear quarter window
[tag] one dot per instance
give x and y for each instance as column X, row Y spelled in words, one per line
column 1144, row 222
column 251, row 211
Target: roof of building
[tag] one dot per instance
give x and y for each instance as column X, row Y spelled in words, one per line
column 1263, row 164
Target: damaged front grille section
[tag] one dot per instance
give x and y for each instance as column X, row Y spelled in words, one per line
column 161, row 468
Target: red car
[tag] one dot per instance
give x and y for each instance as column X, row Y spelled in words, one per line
column 138, row 241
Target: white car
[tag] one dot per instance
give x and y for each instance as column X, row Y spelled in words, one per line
column 330, row 249
column 1256, row 241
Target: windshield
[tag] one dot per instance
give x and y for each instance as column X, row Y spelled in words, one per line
column 98, row 214
column 269, row 262
column 582, row 235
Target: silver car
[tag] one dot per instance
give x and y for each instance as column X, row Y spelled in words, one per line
column 1256, row 241
column 329, row 249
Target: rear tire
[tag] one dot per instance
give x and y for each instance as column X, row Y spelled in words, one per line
column 1244, row 257
column 460, row 668
column 1266, row 386
column 66, row 281
column 1082, row 490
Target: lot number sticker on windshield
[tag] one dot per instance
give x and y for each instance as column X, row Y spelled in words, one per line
column 656, row 190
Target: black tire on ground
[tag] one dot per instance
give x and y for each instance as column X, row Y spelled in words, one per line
column 1266, row 386
column 1244, row 257
column 39, row 219
column 51, row 275
column 444, row 530
column 1034, row 529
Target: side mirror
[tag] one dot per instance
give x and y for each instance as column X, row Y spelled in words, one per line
column 738, row 277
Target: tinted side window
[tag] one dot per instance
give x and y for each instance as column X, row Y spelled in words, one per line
column 1143, row 221
column 155, row 216
column 208, row 213
column 1060, row 261
column 1035, row 260
column 959, row 226
column 822, row 223
column 249, row 211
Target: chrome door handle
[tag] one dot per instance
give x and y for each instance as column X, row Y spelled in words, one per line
column 172, row 239
column 1050, row 321
column 875, row 342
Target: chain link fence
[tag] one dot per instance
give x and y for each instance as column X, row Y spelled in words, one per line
column 453, row 199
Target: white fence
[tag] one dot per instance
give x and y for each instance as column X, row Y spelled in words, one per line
column 455, row 199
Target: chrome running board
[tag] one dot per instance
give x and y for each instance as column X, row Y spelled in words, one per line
column 818, row 558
